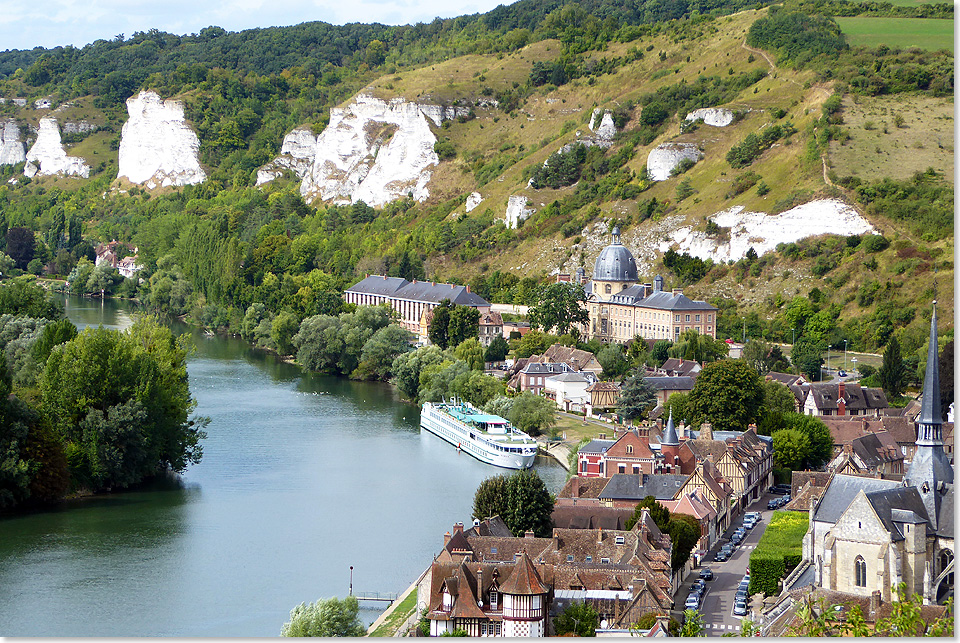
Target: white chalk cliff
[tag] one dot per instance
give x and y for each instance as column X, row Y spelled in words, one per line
column 474, row 200
column 663, row 158
column 47, row 156
column 763, row 232
column 517, row 211
column 603, row 126
column 296, row 154
column 157, row 147
column 372, row 150
column 12, row 150
column 715, row 116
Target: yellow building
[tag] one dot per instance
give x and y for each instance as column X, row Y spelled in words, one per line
column 620, row 308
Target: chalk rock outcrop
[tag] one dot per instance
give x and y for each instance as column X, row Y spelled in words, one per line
column 376, row 151
column 473, row 201
column 715, row 116
column 663, row 158
column 296, row 154
column 47, row 156
column 763, row 232
column 12, row 150
column 602, row 126
column 517, row 211
column 157, row 147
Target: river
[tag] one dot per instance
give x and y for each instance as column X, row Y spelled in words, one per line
column 302, row 476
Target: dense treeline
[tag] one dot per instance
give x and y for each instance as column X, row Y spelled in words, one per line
column 89, row 411
column 943, row 10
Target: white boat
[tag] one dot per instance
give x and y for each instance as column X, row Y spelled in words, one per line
column 488, row 438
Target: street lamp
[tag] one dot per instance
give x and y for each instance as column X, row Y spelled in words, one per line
column 350, row 593
column 853, row 360
column 845, row 354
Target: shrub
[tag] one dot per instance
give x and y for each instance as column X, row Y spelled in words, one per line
column 778, row 552
column 875, row 243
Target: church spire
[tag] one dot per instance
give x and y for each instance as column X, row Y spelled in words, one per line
column 670, row 433
column 930, row 471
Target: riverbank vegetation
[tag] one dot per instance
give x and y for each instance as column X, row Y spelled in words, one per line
column 90, row 411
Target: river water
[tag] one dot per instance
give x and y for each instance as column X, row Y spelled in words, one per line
column 302, row 476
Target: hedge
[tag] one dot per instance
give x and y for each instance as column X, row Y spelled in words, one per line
column 779, row 551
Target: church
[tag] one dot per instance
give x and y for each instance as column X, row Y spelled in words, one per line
column 620, row 308
column 868, row 535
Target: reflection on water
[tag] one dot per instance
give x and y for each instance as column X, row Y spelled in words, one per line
column 303, row 475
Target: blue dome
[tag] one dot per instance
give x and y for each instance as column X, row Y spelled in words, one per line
column 615, row 262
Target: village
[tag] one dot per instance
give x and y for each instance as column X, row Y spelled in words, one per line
column 875, row 520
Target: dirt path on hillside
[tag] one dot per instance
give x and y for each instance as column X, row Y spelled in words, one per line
column 826, row 179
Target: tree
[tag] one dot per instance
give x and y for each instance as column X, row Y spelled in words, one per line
column 21, row 245
column 439, row 329
column 533, row 414
column 408, row 366
column 535, row 342
column 282, row 329
column 684, row 531
column 111, row 394
column 660, row 351
column 578, row 619
column 470, row 351
column 692, row 623
column 521, row 500
column 679, row 405
column 464, row 324
column 764, row 357
column 490, row 498
column 22, row 297
column 613, row 361
column 560, row 307
column 381, row 351
column 637, row 397
column 807, row 356
column 777, row 398
column 529, row 505
column 892, row 373
column 659, row 513
column 326, row 617
column 497, row 350
column 790, row 448
column 53, row 334
column 728, row 394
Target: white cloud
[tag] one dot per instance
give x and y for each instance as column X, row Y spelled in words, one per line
column 25, row 25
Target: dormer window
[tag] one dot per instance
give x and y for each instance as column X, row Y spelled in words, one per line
column 605, row 561
column 619, row 540
column 569, row 558
column 494, row 599
column 606, row 289
column 589, row 559
column 493, row 550
column 629, row 449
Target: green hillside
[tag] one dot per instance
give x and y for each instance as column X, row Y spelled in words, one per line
column 816, row 118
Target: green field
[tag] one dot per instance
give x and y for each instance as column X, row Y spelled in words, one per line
column 904, row 33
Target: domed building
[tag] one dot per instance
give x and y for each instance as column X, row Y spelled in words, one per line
column 620, row 308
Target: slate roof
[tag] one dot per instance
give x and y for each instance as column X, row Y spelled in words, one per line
column 668, row 301
column 629, row 486
column 575, row 358
column 874, row 449
column 569, row 377
column 842, row 490
column 676, row 366
column 826, row 394
column 615, row 262
column 597, row 446
column 945, row 520
column 421, row 291
column 903, row 503
column 681, row 383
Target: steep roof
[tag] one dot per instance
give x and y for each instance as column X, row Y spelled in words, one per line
column 897, row 506
column 524, row 581
column 597, row 446
column 874, row 449
column 842, row 490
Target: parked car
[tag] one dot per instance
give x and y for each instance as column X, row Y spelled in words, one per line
column 842, row 373
column 749, row 524
column 740, row 596
column 786, row 499
column 773, row 504
column 693, row 601
column 736, row 538
column 700, row 585
column 740, row 608
column 706, row 573
column 755, row 516
column 744, row 586
column 722, row 556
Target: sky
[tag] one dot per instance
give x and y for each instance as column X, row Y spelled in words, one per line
column 27, row 24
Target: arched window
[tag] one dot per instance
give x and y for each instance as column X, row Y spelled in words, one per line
column 860, row 568
column 606, row 289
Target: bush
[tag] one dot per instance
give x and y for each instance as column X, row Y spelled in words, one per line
column 874, row 243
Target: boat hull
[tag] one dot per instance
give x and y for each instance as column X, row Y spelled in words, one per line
column 475, row 449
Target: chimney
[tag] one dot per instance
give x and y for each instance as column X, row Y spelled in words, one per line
column 468, row 288
column 706, row 431
column 677, row 291
column 602, row 436
column 528, row 534
column 841, row 405
column 848, row 448
column 599, row 535
column 384, row 277
column 575, row 487
column 446, row 539
column 458, row 528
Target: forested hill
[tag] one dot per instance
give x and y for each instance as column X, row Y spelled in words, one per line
column 116, row 68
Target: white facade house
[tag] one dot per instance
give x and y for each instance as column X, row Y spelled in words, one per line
column 569, row 390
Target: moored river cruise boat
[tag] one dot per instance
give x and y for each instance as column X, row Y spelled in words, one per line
column 488, row 438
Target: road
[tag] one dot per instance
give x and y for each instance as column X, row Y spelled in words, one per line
column 717, row 606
